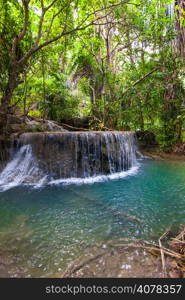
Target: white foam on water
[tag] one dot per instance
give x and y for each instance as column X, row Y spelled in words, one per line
column 100, row 178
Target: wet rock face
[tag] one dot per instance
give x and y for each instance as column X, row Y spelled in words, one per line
column 5, row 146
column 81, row 154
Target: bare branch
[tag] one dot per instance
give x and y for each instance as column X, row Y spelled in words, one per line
column 106, row 23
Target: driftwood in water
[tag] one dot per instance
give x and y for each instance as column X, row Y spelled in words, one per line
column 114, row 211
column 173, row 266
column 162, row 252
column 76, row 267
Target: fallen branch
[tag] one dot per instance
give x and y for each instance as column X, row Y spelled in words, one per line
column 181, row 235
column 162, row 253
column 74, row 268
column 131, row 217
column 176, row 241
column 72, row 127
column 149, row 248
column 173, row 267
column 114, row 211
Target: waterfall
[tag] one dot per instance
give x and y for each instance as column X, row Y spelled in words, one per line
column 69, row 157
column 21, row 169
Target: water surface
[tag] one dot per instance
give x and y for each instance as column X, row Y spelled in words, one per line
column 43, row 230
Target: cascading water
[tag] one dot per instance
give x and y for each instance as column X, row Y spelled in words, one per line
column 21, row 169
column 69, row 157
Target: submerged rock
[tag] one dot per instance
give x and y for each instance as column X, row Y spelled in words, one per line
column 99, row 262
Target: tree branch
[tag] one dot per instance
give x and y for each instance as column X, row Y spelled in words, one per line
column 26, row 18
column 108, row 7
column 40, row 24
column 22, row 33
column 53, row 18
column 139, row 80
column 50, row 5
column 79, row 27
column 91, row 52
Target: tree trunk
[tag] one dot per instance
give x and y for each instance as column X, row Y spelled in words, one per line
column 179, row 43
column 170, row 110
column 172, row 128
column 5, row 101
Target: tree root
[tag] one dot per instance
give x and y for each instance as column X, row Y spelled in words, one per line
column 76, row 267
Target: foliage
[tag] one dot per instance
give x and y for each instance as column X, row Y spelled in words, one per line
column 119, row 62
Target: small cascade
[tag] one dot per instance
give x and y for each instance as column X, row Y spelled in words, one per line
column 62, row 156
column 21, row 169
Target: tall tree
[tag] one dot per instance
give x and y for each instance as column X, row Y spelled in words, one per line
column 53, row 21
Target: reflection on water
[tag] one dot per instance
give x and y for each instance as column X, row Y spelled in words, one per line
column 42, row 231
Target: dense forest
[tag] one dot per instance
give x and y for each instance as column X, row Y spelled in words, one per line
column 116, row 65
column 92, row 140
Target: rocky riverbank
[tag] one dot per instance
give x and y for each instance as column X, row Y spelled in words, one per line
column 132, row 258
